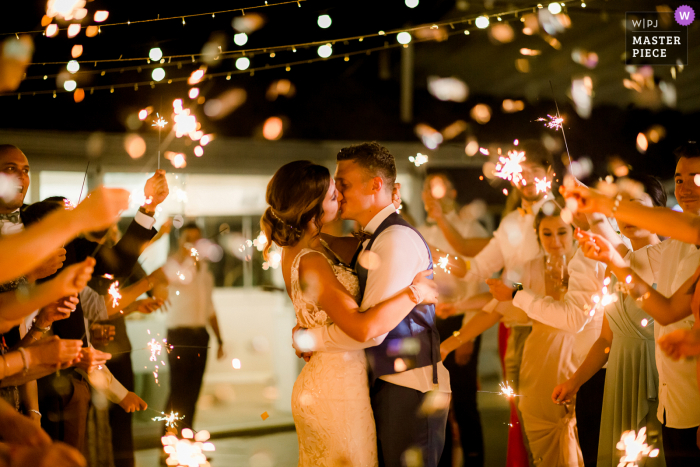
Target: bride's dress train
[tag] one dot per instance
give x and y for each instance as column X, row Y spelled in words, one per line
column 330, row 400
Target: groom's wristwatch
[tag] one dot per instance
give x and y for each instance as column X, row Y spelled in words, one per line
column 518, row 287
column 414, row 294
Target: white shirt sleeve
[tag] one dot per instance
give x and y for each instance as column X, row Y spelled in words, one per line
column 488, row 261
column 93, row 304
column 144, row 220
column 402, row 254
column 106, row 384
column 570, row 314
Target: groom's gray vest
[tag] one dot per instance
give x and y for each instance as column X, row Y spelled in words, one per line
column 415, row 340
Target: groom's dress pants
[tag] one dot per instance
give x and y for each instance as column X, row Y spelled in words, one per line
column 400, row 426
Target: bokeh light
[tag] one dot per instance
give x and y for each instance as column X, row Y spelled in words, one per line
column 69, row 85
column 158, row 74
column 240, row 39
column 135, row 146
column 325, row 51
column 155, row 54
column 73, row 66
column 272, row 129
column 482, row 22
column 324, row 21
column 194, row 92
column 403, row 37
column 242, row 63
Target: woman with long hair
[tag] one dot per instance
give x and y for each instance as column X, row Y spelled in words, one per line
column 330, row 400
column 626, row 344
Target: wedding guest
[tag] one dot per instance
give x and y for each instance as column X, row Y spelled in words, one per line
column 670, row 265
column 462, row 366
column 514, row 243
column 626, row 344
column 549, row 351
column 191, row 309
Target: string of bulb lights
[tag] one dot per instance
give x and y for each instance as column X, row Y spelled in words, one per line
column 169, row 18
column 482, row 21
column 243, row 62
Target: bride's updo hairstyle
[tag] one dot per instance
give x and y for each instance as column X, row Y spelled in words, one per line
column 295, row 195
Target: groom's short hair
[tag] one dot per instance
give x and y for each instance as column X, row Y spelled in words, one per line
column 374, row 158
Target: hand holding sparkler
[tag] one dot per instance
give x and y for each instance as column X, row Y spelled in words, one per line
column 499, row 290
column 132, row 403
column 681, row 343
column 51, row 352
column 588, row 199
column 565, row 392
column 156, row 190
column 74, row 278
column 100, row 209
column 48, row 267
column 145, row 306
column 55, row 311
column 598, row 248
column 91, row 358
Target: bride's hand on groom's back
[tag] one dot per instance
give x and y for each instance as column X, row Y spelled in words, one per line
column 427, row 287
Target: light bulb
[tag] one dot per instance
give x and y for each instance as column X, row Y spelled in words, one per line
column 242, row 63
column 403, row 37
column 324, row 21
column 155, row 54
column 240, row 38
column 158, row 74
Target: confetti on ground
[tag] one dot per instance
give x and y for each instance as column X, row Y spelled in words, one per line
column 264, row 416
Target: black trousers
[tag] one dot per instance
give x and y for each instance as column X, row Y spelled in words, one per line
column 680, row 446
column 119, row 420
column 589, row 409
column 187, row 366
column 463, row 380
column 401, row 430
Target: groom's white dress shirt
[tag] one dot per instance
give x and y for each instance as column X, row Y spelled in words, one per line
column 402, row 254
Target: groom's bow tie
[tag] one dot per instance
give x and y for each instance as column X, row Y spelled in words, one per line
column 11, row 217
column 362, row 235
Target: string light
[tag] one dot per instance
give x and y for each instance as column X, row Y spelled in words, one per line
column 227, row 74
column 104, row 14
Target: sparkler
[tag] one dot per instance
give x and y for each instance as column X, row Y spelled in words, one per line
column 509, row 168
column 444, row 262
column 194, row 253
column 555, row 123
column 114, row 293
column 418, row 159
column 170, row 419
column 634, row 448
column 506, row 390
column 160, row 123
column 543, row 186
column 155, row 347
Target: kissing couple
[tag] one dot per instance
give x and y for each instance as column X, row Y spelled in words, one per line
column 365, row 315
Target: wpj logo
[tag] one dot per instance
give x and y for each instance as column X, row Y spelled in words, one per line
column 657, row 38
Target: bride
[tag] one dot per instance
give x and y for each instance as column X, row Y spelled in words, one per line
column 330, row 400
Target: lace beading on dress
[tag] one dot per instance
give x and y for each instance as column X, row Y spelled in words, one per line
column 330, row 400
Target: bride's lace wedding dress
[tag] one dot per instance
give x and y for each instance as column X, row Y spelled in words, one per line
column 330, row 400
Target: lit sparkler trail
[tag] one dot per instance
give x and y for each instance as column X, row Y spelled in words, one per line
column 170, row 419
column 634, row 448
column 508, row 168
column 543, row 186
column 554, row 123
column 114, row 293
column 155, row 348
column 561, row 120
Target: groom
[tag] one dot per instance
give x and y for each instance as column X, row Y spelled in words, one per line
column 405, row 363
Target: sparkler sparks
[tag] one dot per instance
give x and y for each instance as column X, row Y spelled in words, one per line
column 114, row 293
column 159, row 122
column 554, row 123
column 155, row 347
column 506, row 390
column 419, row 159
column 170, row 419
column 604, row 299
column 194, row 253
column 509, row 168
column 68, row 204
column 543, row 186
column 634, row 448
column 444, row 262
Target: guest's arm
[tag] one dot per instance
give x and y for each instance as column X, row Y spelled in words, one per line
column 595, row 360
column 470, row 331
column 25, row 251
column 682, row 226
